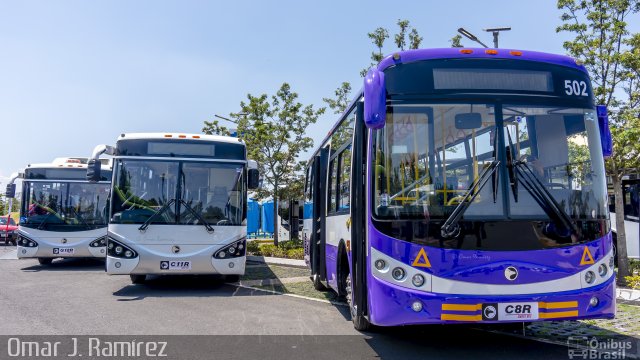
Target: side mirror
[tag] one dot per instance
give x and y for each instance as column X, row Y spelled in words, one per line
column 605, row 133
column 375, row 99
column 254, row 179
column 10, row 193
column 93, row 170
column 468, row 121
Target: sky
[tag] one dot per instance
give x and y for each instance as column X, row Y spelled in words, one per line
column 75, row 74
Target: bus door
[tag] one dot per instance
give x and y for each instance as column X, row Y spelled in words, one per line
column 318, row 236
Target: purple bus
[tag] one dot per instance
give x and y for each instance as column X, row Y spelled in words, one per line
column 465, row 185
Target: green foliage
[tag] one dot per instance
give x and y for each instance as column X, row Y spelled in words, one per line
column 295, row 254
column 611, row 54
column 380, row 35
column 455, row 41
column 341, row 101
column 633, row 281
column 287, row 249
column 214, row 128
column 253, row 247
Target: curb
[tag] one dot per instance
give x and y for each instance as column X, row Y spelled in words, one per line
column 630, row 296
column 277, row 261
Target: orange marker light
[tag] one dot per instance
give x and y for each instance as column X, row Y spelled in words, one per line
column 466, row 51
column 182, row 136
column 515, row 53
column 167, row 135
column 491, row 52
column 196, row 136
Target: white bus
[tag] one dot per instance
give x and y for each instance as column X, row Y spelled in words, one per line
column 178, row 204
column 62, row 215
column 631, row 210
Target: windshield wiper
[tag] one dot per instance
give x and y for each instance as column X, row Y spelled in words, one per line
column 198, row 216
column 164, row 208
column 541, row 195
column 450, row 227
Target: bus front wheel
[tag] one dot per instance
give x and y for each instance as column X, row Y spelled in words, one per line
column 317, row 284
column 138, row 279
column 360, row 322
column 45, row 261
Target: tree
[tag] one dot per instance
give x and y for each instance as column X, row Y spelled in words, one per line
column 378, row 37
column 214, row 128
column 341, row 101
column 455, row 41
column 611, row 55
column 275, row 134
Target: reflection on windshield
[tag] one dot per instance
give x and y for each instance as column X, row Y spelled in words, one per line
column 428, row 156
column 562, row 148
column 65, row 206
column 213, row 191
column 427, row 159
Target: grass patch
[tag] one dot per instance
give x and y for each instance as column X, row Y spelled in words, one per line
column 273, row 272
column 301, row 288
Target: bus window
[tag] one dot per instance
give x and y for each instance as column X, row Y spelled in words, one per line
column 345, row 177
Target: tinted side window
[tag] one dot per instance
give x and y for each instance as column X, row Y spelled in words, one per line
column 333, row 179
column 345, row 180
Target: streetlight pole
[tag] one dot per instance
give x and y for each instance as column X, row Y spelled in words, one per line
column 496, row 33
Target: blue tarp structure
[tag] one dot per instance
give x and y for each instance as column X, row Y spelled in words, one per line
column 308, row 209
column 267, row 216
column 253, row 216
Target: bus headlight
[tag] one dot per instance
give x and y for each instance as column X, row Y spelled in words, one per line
column 398, row 273
column 602, row 270
column 417, row 280
column 26, row 242
column 380, row 264
column 116, row 249
column 233, row 250
column 99, row 242
column 589, row 277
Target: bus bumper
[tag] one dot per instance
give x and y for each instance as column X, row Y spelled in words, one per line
column 199, row 263
column 46, row 250
column 391, row 305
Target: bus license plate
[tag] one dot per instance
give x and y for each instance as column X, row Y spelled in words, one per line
column 521, row 311
column 175, row 265
column 63, row 251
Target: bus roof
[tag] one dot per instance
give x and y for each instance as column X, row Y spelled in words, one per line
column 407, row 56
column 186, row 136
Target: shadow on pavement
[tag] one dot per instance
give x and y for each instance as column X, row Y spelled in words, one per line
column 162, row 286
column 69, row 264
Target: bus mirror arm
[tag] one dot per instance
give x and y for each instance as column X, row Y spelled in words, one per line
column 94, row 165
column 375, row 101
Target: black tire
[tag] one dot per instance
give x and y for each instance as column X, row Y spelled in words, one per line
column 317, row 284
column 232, row 278
column 138, row 279
column 360, row 322
column 45, row 261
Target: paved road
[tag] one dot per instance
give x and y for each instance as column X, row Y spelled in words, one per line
column 75, row 297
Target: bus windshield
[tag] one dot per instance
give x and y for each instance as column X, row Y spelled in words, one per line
column 428, row 156
column 65, row 206
column 189, row 192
